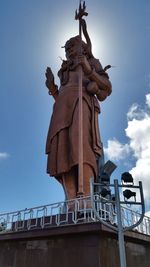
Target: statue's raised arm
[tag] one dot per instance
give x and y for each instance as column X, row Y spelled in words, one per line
column 52, row 87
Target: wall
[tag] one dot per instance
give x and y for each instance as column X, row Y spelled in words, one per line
column 89, row 245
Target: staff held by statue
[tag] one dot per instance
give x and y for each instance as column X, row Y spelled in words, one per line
column 78, row 16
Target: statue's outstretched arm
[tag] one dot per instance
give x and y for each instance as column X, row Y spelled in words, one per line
column 52, row 87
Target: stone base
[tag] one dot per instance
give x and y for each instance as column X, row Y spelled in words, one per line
column 84, row 245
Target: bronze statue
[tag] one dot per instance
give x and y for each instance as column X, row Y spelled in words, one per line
column 62, row 145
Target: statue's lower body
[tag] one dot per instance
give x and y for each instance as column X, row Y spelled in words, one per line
column 69, row 181
column 63, row 154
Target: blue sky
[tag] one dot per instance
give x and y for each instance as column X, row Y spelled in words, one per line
column 32, row 33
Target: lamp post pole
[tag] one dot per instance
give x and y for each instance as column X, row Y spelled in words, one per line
column 120, row 228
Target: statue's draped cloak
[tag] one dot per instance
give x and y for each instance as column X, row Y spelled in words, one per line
column 62, row 140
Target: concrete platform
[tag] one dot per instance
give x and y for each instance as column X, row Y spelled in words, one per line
column 89, row 245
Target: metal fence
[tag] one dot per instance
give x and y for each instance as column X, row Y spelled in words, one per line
column 76, row 211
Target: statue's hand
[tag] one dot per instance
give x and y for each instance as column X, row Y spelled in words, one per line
column 82, row 60
column 52, row 87
column 49, row 78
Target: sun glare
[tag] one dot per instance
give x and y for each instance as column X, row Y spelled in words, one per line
column 98, row 43
column 66, row 31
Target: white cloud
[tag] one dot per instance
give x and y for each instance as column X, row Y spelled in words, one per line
column 138, row 133
column 148, row 100
column 116, row 150
column 136, row 112
column 3, row 155
column 132, row 111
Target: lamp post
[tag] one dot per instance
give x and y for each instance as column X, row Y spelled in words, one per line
column 117, row 202
column 122, row 252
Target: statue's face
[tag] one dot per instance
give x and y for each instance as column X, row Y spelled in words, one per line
column 72, row 49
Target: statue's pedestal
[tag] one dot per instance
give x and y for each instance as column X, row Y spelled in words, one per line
column 82, row 245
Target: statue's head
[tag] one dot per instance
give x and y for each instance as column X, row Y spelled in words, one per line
column 72, row 47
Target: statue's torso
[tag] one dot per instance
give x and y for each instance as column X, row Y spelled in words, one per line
column 66, row 103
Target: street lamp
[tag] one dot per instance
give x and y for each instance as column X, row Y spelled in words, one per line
column 128, row 194
column 105, row 172
column 126, row 177
column 105, row 192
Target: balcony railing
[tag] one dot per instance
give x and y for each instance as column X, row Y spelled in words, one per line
column 76, row 211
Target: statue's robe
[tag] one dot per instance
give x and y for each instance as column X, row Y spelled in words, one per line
column 62, row 140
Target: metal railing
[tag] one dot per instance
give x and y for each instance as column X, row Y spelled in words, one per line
column 130, row 217
column 76, row 211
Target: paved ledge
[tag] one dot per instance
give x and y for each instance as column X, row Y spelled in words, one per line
column 84, row 228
